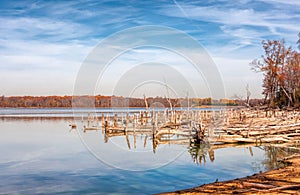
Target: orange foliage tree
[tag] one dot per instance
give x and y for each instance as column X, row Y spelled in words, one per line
column 281, row 69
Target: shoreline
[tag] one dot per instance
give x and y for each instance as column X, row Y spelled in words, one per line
column 285, row 180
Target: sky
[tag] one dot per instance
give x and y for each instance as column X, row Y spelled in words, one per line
column 43, row 44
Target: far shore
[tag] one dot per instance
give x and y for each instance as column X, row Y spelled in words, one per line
column 203, row 106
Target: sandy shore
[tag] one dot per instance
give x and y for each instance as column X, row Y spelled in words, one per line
column 284, row 180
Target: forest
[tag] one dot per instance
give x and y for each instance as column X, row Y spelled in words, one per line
column 108, row 101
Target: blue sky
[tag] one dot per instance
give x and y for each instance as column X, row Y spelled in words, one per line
column 43, row 43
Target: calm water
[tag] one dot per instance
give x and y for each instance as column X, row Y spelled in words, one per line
column 42, row 155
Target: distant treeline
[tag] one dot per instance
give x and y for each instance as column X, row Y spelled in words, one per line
column 114, row 101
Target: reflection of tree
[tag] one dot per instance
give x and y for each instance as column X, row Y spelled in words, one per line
column 199, row 153
column 273, row 154
column 202, row 151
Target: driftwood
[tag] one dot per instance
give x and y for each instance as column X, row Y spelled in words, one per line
column 173, row 132
column 226, row 126
column 280, row 127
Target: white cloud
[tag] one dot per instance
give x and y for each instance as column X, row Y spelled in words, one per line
column 20, row 52
column 246, row 35
column 40, row 68
column 272, row 19
column 40, row 28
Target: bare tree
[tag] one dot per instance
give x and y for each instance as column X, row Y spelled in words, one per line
column 280, row 66
column 248, row 93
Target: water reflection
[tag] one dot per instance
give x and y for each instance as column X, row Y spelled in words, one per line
column 200, row 153
column 140, row 140
column 42, row 155
column 273, row 154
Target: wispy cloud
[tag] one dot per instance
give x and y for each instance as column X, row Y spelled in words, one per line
column 241, row 22
column 44, row 42
column 40, row 28
column 279, row 3
column 33, row 67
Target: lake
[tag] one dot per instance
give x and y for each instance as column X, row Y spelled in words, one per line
column 40, row 153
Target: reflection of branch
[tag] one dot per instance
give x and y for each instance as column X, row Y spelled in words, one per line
column 127, row 140
column 200, row 151
column 273, row 154
column 145, row 141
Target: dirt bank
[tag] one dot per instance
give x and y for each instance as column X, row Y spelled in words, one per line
column 284, row 180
